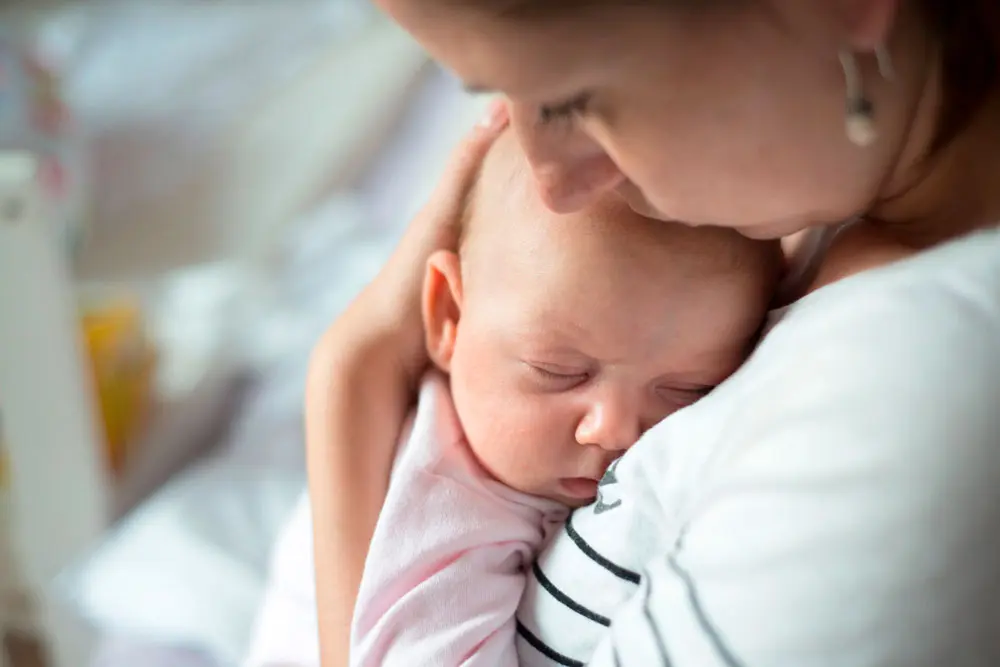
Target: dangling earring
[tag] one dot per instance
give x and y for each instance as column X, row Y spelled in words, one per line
column 860, row 119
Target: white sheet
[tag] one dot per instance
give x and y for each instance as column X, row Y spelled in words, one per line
column 130, row 652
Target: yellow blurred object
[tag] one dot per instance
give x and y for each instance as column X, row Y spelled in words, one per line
column 123, row 364
column 4, row 462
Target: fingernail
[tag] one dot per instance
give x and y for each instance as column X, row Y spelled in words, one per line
column 496, row 115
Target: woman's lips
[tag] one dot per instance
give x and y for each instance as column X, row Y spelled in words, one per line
column 583, row 488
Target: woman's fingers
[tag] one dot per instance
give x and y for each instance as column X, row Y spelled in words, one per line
column 396, row 290
column 436, row 226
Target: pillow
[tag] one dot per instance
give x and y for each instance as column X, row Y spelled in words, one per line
column 189, row 567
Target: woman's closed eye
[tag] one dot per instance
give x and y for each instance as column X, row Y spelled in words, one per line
column 564, row 110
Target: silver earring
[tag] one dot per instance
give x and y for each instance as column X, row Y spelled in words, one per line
column 884, row 61
column 860, row 112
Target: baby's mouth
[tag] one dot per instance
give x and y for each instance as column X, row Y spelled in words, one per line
column 583, row 488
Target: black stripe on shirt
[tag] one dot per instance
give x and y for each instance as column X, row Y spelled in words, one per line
column 617, row 570
column 727, row 656
column 566, row 600
column 544, row 649
column 661, row 646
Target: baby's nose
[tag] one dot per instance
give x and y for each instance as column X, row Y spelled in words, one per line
column 612, row 426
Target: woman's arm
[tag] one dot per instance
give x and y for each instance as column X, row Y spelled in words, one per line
column 361, row 383
column 356, row 398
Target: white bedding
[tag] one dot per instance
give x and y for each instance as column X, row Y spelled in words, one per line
column 187, row 568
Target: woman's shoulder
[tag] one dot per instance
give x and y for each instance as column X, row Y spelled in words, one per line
column 896, row 356
column 953, row 289
column 894, row 368
column 861, row 441
column 892, row 360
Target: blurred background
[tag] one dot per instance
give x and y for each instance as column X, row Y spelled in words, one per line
column 190, row 191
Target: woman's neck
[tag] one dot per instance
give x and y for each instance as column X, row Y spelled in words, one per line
column 956, row 191
column 926, row 200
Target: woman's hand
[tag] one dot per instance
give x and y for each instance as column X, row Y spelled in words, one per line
column 361, row 384
column 397, row 288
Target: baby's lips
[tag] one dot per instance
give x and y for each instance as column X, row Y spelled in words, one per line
column 583, row 488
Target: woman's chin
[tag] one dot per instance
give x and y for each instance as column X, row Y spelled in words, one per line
column 758, row 231
column 639, row 204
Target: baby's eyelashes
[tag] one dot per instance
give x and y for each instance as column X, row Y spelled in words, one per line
column 664, row 395
column 683, row 396
column 558, row 377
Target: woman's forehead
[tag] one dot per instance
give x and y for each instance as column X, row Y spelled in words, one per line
column 618, row 45
column 521, row 58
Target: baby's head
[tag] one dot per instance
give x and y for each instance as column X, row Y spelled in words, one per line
column 568, row 336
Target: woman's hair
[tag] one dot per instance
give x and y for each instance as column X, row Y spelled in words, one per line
column 967, row 33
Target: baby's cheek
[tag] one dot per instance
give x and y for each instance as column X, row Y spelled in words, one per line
column 511, row 436
column 501, row 433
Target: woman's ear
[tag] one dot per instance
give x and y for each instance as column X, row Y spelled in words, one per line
column 442, row 306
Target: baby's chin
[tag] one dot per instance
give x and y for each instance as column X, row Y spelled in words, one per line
column 563, row 499
column 574, row 503
column 558, row 494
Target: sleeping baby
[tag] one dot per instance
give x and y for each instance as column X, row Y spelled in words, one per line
column 558, row 340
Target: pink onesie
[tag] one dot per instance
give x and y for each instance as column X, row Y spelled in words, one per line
column 446, row 567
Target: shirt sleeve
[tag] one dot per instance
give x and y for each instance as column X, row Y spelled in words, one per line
column 445, row 571
column 850, row 516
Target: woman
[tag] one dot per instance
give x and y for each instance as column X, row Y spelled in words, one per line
column 836, row 502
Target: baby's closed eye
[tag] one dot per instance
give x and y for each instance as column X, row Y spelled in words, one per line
column 557, row 377
column 683, row 396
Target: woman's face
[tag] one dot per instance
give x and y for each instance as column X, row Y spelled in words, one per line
column 731, row 117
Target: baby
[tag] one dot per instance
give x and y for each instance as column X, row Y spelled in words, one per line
column 564, row 338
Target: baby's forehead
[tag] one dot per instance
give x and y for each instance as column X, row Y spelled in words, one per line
column 505, row 208
column 505, row 180
column 511, row 229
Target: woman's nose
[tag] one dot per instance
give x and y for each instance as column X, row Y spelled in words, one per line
column 569, row 186
column 571, row 169
column 610, row 425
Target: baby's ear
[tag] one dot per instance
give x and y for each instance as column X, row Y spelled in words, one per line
column 442, row 306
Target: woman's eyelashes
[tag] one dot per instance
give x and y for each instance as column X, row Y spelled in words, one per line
column 565, row 110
